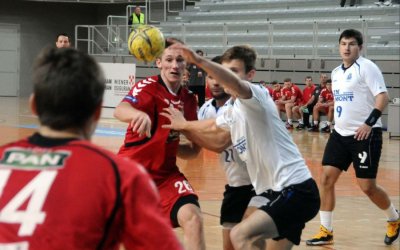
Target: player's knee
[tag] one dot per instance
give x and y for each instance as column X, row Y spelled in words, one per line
column 190, row 216
column 237, row 237
column 368, row 189
column 326, row 180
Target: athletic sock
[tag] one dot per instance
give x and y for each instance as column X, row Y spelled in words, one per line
column 391, row 213
column 326, row 219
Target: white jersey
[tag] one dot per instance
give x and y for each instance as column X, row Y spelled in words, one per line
column 354, row 90
column 234, row 167
column 259, row 136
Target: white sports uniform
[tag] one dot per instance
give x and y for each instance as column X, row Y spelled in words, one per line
column 263, row 143
column 354, row 90
column 235, row 168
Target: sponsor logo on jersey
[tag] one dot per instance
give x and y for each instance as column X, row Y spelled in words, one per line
column 343, row 97
column 240, row 146
column 131, row 99
column 19, row 158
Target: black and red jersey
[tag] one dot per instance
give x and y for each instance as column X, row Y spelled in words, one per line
column 157, row 153
column 71, row 194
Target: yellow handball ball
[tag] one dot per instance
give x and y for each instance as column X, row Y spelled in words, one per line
column 146, row 43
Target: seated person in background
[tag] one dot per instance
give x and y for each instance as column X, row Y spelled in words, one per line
column 307, row 100
column 284, row 97
column 185, row 78
column 58, row 190
column 265, row 85
column 276, row 90
column 292, row 103
column 324, row 105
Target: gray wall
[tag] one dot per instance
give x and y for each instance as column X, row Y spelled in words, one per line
column 40, row 22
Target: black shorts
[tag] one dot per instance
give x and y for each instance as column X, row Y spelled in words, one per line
column 341, row 151
column 291, row 208
column 235, row 203
column 188, row 199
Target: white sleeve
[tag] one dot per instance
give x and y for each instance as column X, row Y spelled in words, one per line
column 374, row 79
column 222, row 121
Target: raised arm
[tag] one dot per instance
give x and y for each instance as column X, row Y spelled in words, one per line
column 231, row 82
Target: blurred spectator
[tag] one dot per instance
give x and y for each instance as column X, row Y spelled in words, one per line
column 324, row 105
column 62, row 41
column 137, row 17
column 197, row 81
column 185, row 78
column 342, row 2
column 265, row 85
column 314, row 99
column 295, row 99
column 307, row 100
column 384, row 3
column 276, row 90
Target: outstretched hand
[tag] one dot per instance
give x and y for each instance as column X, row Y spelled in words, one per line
column 141, row 124
column 175, row 117
column 189, row 55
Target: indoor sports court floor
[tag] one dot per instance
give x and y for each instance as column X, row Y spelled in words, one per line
column 358, row 224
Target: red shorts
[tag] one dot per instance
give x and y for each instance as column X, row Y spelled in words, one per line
column 171, row 189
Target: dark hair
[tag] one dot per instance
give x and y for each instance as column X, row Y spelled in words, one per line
column 243, row 53
column 68, row 87
column 217, row 59
column 352, row 33
column 171, row 40
column 274, row 82
column 287, row 80
column 62, row 34
column 308, row 77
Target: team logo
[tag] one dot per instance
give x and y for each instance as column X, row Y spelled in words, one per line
column 27, row 159
column 241, row 145
column 349, row 76
column 131, row 99
column 131, row 79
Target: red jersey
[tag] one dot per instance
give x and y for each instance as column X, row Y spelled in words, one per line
column 308, row 93
column 70, row 194
column 157, row 153
column 286, row 93
column 296, row 91
column 326, row 95
column 276, row 94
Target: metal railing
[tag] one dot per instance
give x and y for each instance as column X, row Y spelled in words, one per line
column 111, row 40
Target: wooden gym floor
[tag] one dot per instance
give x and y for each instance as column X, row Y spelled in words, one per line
column 358, row 224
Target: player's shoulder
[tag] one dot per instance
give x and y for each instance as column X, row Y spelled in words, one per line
column 148, row 82
column 365, row 64
column 203, row 110
column 88, row 149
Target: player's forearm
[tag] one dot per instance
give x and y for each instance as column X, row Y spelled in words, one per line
column 125, row 112
column 381, row 100
column 207, row 134
column 225, row 77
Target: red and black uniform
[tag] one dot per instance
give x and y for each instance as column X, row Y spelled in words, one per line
column 308, row 93
column 327, row 96
column 296, row 91
column 71, row 194
column 276, row 94
column 158, row 153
